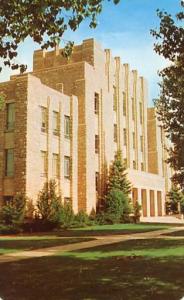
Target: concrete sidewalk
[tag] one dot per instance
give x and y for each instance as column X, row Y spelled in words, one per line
column 99, row 241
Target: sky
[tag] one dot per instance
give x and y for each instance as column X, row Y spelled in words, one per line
column 123, row 28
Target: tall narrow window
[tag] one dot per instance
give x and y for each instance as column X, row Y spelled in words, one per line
column 96, row 143
column 142, row 166
column 10, row 119
column 67, row 167
column 114, row 98
column 133, row 137
column 55, row 123
column 124, row 104
column 43, row 163
column 55, row 165
column 141, row 142
column 67, row 127
column 97, row 181
column 134, row 164
column 133, row 108
column 43, row 119
column 9, row 162
column 96, row 103
column 125, row 136
column 115, row 133
column 141, row 113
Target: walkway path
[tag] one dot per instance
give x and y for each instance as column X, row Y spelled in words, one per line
column 98, row 241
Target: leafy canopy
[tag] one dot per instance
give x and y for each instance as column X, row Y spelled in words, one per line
column 170, row 104
column 45, row 21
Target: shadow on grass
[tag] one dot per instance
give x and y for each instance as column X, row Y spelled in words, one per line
column 36, row 243
column 176, row 233
column 113, row 278
column 116, row 229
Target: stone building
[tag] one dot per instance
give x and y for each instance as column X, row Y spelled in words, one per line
column 67, row 118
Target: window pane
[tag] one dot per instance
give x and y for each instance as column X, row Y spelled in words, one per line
column 114, row 99
column 44, row 163
column 124, row 104
column 55, row 123
column 55, row 165
column 141, row 115
column 96, row 143
column 9, row 166
column 96, row 103
column 115, row 133
column 67, row 126
column 10, row 116
column 133, row 109
column 67, row 166
column 43, row 119
column 125, row 136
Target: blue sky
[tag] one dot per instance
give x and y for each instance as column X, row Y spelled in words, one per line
column 124, row 28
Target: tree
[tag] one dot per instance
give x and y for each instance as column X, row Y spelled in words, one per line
column 45, row 21
column 118, row 177
column 170, row 104
column 49, row 203
column 13, row 212
column 175, row 199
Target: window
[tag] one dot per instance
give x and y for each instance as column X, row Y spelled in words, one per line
column 67, row 167
column 114, row 99
column 142, row 166
column 124, row 104
column 141, row 142
column 55, row 123
column 133, row 109
column 97, row 181
column 134, row 164
column 10, row 119
column 96, row 143
column 115, row 133
column 43, row 163
column 125, row 136
column 43, row 119
column 96, row 103
column 67, row 127
column 133, row 137
column 9, row 162
column 141, row 115
column 55, row 165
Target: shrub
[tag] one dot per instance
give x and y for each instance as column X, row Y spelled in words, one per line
column 49, row 206
column 82, row 219
column 136, row 212
column 9, row 229
column 13, row 212
column 175, row 197
column 66, row 218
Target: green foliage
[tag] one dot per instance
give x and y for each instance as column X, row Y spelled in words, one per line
column 175, row 199
column 137, row 211
column 117, row 206
column 13, row 212
column 30, row 209
column 49, row 205
column 170, row 104
column 44, row 21
column 118, row 177
column 82, row 219
column 66, row 216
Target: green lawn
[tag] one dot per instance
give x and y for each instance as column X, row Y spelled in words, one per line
column 14, row 244
column 112, row 229
column 132, row 270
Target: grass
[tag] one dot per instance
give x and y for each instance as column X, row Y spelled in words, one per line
column 115, row 229
column 14, row 244
column 127, row 270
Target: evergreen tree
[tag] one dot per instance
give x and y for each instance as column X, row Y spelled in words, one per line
column 118, row 176
column 49, row 203
column 175, row 198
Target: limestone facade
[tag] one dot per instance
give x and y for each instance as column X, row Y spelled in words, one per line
column 108, row 113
